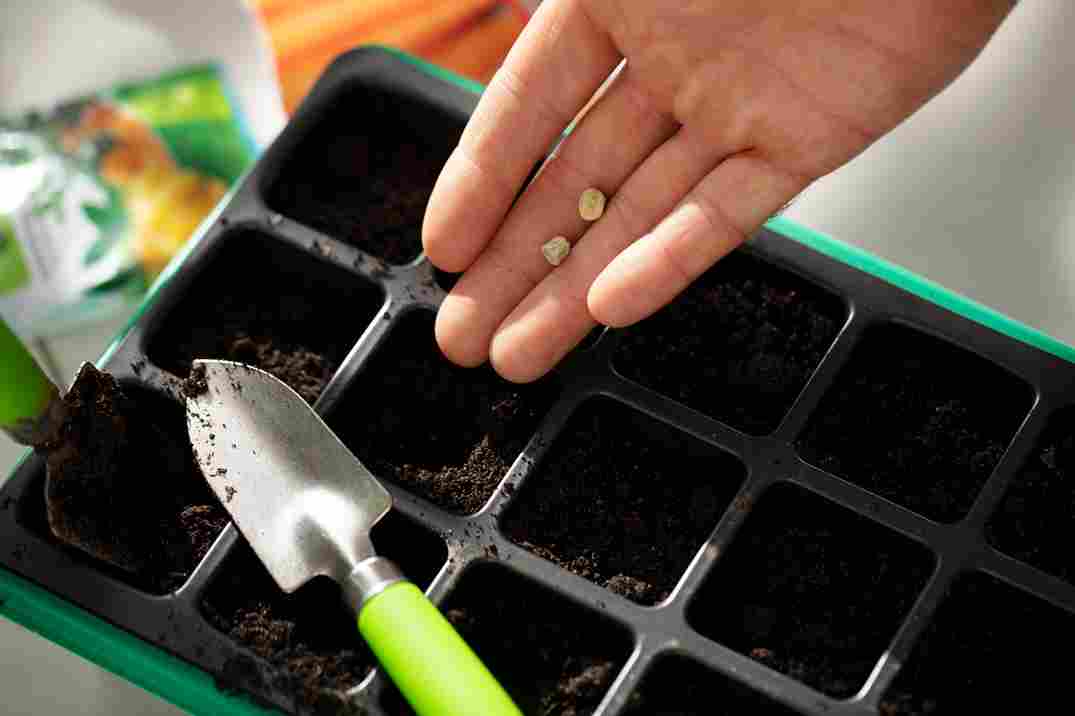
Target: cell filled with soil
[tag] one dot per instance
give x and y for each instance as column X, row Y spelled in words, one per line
column 738, row 345
column 916, row 420
column 308, row 638
column 624, row 500
column 125, row 487
column 678, row 686
column 267, row 304
column 989, row 648
column 364, row 171
column 447, row 433
column 551, row 656
column 811, row 589
column 1036, row 518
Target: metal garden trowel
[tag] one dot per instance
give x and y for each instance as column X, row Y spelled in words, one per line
column 306, row 505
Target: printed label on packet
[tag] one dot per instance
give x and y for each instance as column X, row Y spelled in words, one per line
column 97, row 195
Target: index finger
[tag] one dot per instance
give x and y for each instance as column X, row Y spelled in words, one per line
column 559, row 61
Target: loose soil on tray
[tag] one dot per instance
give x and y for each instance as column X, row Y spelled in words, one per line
column 272, row 306
column 1036, row 519
column 811, row 589
column 624, row 500
column 989, row 649
column 738, row 345
column 305, row 371
column 124, row 485
column 365, row 171
column 447, row 433
column 916, row 420
column 553, row 658
column 308, row 639
column 678, row 686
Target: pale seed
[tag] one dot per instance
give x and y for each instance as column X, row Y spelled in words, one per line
column 556, row 250
column 592, row 204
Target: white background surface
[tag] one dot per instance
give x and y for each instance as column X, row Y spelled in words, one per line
column 977, row 192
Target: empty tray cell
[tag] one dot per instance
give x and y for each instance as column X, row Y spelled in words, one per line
column 129, row 487
column 990, row 648
column 267, row 304
column 916, row 420
column 308, row 642
column 554, row 658
column 678, row 686
column 811, row 589
column 738, row 345
column 364, row 171
column 447, row 433
column 624, row 500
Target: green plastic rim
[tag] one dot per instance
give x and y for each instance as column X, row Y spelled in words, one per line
column 192, row 689
column 922, row 287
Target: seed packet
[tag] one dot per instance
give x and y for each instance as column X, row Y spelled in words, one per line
column 99, row 193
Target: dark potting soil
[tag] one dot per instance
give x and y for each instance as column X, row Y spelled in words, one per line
column 552, row 657
column 365, row 172
column 990, row 648
column 916, row 420
column 811, row 589
column 305, row 371
column 267, row 304
column 738, row 345
column 1036, row 518
column 123, row 484
column 678, row 686
column 623, row 500
column 308, row 638
column 447, row 433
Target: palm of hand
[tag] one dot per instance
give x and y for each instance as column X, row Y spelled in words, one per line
column 725, row 110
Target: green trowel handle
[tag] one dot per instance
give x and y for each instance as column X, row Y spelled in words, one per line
column 427, row 660
column 25, row 390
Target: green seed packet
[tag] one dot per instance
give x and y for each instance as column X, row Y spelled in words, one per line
column 98, row 194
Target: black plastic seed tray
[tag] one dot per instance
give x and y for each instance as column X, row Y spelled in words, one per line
column 802, row 488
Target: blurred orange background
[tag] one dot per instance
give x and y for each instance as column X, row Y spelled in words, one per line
column 469, row 37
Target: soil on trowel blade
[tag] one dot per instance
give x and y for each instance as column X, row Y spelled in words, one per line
column 124, row 487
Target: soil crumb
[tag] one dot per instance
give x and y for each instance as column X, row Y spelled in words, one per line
column 195, row 385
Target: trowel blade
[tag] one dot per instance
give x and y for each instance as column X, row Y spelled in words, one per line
column 300, row 498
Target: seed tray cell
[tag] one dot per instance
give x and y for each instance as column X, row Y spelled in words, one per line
column 263, row 302
column 1037, row 516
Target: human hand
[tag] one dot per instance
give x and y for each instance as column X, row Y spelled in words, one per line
column 725, row 110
